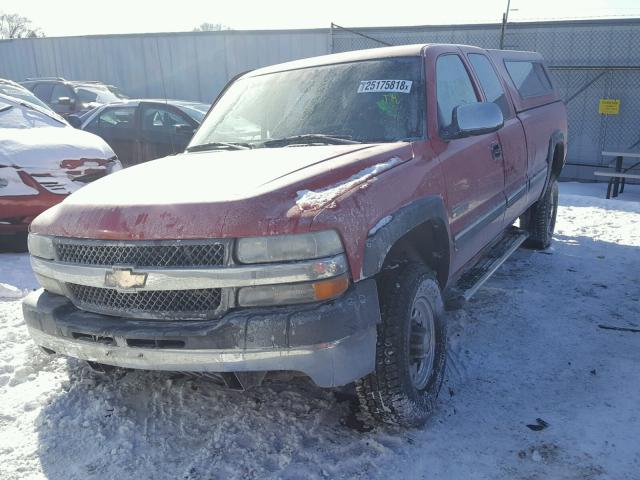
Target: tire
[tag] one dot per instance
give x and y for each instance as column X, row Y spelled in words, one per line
column 16, row 243
column 402, row 390
column 540, row 220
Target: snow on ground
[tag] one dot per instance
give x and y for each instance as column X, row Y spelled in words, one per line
column 529, row 346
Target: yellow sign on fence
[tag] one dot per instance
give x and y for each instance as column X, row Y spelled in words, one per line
column 609, row 106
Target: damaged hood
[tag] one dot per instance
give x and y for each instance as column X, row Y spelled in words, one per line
column 206, row 177
column 59, row 160
column 214, row 194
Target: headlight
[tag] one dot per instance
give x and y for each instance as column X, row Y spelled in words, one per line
column 292, row 293
column 41, row 246
column 280, row 248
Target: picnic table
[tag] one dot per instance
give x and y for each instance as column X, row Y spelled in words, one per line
column 618, row 177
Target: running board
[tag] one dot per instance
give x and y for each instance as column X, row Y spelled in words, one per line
column 474, row 278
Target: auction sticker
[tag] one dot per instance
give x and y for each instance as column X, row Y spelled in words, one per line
column 374, row 86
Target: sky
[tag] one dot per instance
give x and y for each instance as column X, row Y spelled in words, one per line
column 81, row 17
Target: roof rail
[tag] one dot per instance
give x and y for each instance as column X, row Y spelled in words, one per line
column 46, row 78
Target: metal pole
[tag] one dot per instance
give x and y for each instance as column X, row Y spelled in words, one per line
column 505, row 17
column 331, row 38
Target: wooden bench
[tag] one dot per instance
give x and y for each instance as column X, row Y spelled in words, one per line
column 613, row 176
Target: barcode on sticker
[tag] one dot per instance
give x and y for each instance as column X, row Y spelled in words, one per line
column 395, row 86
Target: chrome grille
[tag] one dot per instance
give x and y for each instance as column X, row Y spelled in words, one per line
column 185, row 304
column 142, row 254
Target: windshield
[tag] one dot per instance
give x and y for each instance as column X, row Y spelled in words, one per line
column 24, row 115
column 96, row 94
column 196, row 111
column 22, row 94
column 368, row 101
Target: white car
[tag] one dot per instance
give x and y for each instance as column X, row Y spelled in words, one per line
column 42, row 160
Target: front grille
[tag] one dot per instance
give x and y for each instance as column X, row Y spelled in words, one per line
column 159, row 254
column 199, row 303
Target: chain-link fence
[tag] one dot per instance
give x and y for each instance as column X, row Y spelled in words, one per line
column 590, row 62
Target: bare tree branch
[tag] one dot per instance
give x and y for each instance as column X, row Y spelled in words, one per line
column 13, row 25
column 211, row 27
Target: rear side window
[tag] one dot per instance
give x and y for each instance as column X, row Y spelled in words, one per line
column 60, row 91
column 453, row 86
column 489, row 82
column 114, row 117
column 529, row 78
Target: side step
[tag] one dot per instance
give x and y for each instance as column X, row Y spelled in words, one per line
column 474, row 278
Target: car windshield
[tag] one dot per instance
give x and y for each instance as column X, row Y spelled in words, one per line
column 22, row 94
column 196, row 111
column 367, row 101
column 96, row 94
column 118, row 93
column 15, row 113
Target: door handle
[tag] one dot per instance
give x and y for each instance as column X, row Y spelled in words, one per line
column 496, row 151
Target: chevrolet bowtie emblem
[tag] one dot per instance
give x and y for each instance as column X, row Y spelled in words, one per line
column 125, row 279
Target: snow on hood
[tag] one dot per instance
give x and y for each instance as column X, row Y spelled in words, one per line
column 40, row 152
column 309, row 199
column 46, row 147
column 205, row 177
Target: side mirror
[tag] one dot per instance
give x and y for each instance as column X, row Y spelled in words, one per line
column 74, row 121
column 474, row 119
column 185, row 129
column 65, row 101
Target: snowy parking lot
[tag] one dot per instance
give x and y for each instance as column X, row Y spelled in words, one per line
column 543, row 381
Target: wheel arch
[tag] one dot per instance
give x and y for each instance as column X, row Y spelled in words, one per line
column 419, row 232
column 556, row 154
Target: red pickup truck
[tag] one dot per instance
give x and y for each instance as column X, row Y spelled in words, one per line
column 323, row 216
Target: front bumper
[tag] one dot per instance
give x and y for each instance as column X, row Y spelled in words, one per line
column 333, row 342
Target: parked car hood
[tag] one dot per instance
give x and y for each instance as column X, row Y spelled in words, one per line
column 47, row 147
column 194, row 195
column 57, row 158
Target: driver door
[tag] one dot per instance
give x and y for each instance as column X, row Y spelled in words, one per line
column 472, row 166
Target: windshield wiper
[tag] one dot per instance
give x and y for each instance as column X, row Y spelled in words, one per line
column 310, row 138
column 218, row 146
column 5, row 108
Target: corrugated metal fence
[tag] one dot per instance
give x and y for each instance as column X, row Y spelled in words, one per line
column 189, row 66
column 590, row 60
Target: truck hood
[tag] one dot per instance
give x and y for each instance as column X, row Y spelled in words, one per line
column 196, row 195
column 205, row 177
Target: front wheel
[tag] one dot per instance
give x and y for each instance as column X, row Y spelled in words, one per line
column 540, row 220
column 411, row 349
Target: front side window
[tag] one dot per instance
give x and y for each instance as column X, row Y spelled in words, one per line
column 454, row 88
column 489, row 82
column 161, row 119
column 529, row 78
column 43, row 91
column 368, row 101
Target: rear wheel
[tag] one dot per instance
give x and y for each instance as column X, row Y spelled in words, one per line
column 540, row 220
column 411, row 347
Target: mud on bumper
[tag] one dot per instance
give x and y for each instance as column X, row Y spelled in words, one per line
column 333, row 342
